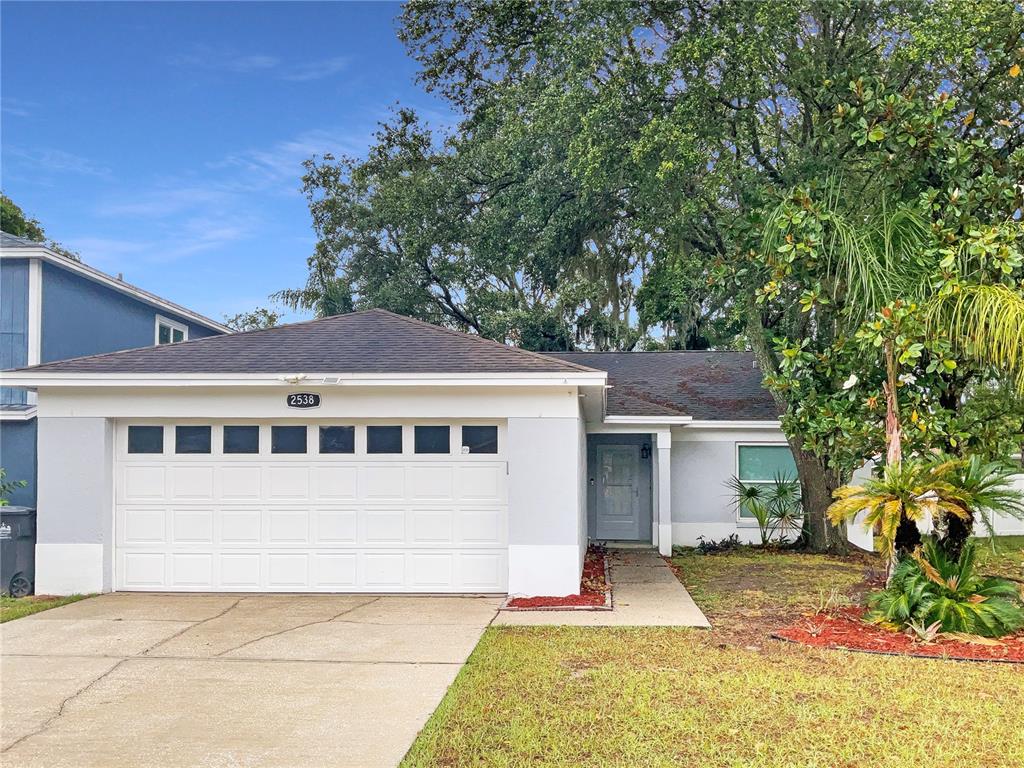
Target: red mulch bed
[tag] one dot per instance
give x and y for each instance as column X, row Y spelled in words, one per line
column 594, row 589
column 845, row 629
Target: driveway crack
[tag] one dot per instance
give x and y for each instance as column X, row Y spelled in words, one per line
column 295, row 627
column 190, row 627
column 60, row 710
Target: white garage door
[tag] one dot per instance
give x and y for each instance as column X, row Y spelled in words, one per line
column 312, row 507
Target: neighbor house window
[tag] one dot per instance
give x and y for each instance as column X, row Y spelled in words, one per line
column 191, row 439
column 170, row 332
column 337, row 439
column 145, row 439
column 383, row 439
column 432, row 440
column 762, row 464
column 241, row 439
column 480, row 439
column 288, row 439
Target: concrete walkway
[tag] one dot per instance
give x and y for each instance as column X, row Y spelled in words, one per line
column 230, row 680
column 645, row 593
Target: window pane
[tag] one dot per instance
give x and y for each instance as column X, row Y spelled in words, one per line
column 164, row 335
column 177, row 335
column 145, row 439
column 288, row 439
column 191, row 439
column 480, row 439
column 337, row 439
column 241, row 439
column 383, row 439
column 763, row 462
column 433, row 440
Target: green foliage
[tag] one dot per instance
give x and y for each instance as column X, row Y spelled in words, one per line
column 775, row 506
column 14, row 221
column 7, row 486
column 983, row 489
column 928, row 587
column 257, row 319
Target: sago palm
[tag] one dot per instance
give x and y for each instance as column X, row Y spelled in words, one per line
column 929, row 587
column 894, row 504
column 982, row 489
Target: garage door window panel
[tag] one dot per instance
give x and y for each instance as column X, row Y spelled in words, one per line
column 383, row 439
column 145, row 439
column 480, row 439
column 192, row 439
column 241, row 439
column 432, row 439
column 337, row 439
column 288, row 439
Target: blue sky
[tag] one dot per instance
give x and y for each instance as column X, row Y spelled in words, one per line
column 165, row 140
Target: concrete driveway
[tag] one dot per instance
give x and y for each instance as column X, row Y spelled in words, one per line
column 230, row 680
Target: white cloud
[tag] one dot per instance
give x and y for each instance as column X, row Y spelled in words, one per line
column 224, row 60
column 316, row 70
column 47, row 160
column 18, row 107
column 214, row 59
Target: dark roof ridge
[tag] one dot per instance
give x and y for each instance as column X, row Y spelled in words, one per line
column 648, row 351
column 477, row 337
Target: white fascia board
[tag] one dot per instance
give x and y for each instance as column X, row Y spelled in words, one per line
column 737, row 424
column 36, row 379
column 45, row 254
column 667, row 421
column 20, row 415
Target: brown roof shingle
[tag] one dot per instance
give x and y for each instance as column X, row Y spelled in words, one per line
column 703, row 385
column 372, row 341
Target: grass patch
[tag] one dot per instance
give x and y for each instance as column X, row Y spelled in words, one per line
column 12, row 608
column 1002, row 556
column 646, row 697
column 585, row 696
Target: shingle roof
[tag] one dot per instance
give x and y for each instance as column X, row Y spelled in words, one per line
column 372, row 341
column 703, row 385
column 7, row 240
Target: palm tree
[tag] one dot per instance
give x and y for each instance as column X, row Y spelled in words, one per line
column 905, row 495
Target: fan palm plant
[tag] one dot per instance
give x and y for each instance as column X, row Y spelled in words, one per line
column 774, row 506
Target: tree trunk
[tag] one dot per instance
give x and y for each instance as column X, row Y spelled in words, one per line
column 817, row 483
column 954, row 534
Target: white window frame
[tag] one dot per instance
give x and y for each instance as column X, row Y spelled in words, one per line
column 173, row 325
column 736, row 463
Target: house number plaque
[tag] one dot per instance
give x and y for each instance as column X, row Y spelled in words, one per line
column 303, row 400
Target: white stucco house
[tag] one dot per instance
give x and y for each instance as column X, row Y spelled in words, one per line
column 374, row 453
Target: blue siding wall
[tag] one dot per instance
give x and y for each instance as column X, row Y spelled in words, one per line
column 18, row 457
column 82, row 317
column 13, row 322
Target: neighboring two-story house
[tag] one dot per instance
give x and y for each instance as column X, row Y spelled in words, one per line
column 54, row 308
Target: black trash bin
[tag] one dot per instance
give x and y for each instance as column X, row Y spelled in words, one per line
column 17, row 550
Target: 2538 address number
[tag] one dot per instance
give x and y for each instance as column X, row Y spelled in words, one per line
column 303, row 400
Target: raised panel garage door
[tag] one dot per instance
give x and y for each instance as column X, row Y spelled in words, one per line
column 309, row 523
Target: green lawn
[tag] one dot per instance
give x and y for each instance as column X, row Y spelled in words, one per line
column 12, row 608
column 726, row 697
column 1008, row 558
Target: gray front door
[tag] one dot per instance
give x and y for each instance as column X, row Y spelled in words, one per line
column 618, row 492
